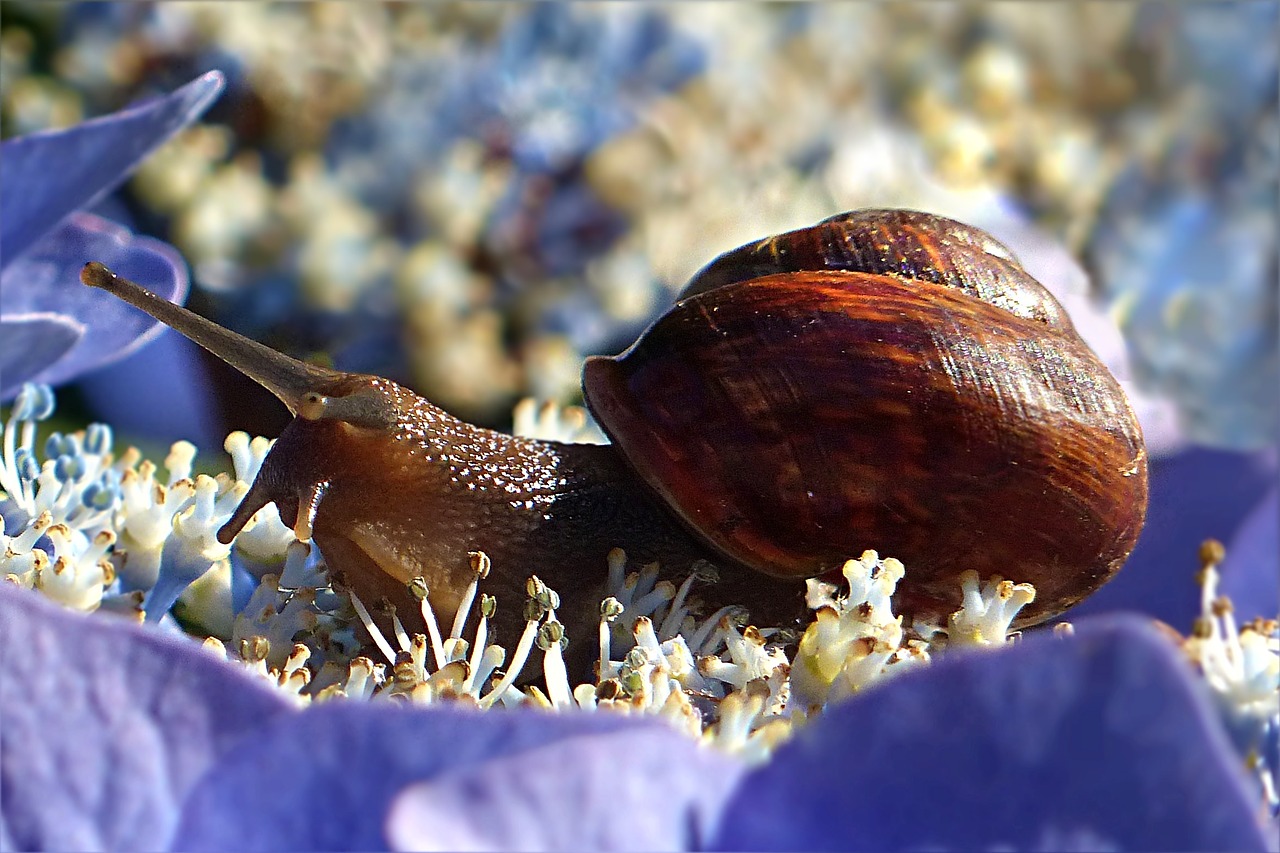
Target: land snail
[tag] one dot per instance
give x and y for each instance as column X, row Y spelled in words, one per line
column 884, row 379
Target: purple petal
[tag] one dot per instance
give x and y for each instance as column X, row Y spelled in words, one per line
column 1195, row 495
column 48, row 175
column 161, row 392
column 1100, row 741
column 651, row 789
column 105, row 726
column 30, row 343
column 1251, row 572
column 47, row 280
column 325, row 779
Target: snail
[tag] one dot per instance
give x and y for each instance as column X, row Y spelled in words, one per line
column 884, row 379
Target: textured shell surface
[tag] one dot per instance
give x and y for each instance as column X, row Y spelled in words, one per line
column 800, row 417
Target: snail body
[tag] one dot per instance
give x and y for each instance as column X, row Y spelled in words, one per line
column 413, row 497
column 884, row 379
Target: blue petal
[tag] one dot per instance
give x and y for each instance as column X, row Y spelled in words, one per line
column 47, row 280
column 105, row 726
column 325, row 779
column 652, row 789
column 161, row 392
column 1195, row 495
column 1251, row 572
column 48, row 175
column 1100, row 741
column 30, row 343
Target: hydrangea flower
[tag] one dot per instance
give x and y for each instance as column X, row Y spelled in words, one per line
column 753, row 750
column 1101, row 739
column 45, row 237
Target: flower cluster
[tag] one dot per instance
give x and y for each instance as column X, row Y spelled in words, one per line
column 1241, row 666
column 96, row 531
column 776, row 712
column 93, row 532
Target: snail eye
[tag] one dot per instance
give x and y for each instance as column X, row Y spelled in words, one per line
column 366, row 407
column 313, row 407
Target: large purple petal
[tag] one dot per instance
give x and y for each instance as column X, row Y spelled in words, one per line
column 160, row 392
column 652, row 789
column 31, row 342
column 47, row 280
column 1251, row 572
column 105, row 726
column 325, row 779
column 1100, row 741
column 48, row 175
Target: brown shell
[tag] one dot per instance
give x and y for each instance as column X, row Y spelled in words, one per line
column 799, row 418
column 906, row 244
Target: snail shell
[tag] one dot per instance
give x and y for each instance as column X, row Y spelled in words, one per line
column 889, row 380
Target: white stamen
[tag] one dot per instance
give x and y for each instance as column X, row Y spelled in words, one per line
column 374, row 631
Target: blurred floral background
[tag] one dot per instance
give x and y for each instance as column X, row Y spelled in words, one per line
column 469, row 198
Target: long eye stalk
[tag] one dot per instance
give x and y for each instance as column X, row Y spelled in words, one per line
column 289, row 379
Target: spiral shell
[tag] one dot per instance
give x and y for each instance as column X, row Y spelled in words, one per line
column 889, row 380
